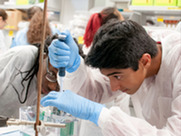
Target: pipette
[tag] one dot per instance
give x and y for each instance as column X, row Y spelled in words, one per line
column 61, row 70
column 61, row 74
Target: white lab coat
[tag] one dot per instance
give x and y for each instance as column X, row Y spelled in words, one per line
column 157, row 102
column 3, row 44
column 19, row 58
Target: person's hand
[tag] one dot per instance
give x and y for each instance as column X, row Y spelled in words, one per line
column 74, row 104
column 64, row 53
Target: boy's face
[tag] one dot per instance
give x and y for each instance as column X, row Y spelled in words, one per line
column 126, row 80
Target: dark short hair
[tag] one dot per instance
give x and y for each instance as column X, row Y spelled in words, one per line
column 3, row 14
column 120, row 45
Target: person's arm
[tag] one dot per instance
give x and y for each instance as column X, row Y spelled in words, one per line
column 114, row 121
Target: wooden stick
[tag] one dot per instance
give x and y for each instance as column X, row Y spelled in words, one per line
column 40, row 70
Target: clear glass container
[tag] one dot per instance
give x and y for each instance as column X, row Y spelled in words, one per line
column 53, row 115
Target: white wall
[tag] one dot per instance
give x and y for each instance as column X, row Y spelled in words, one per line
column 103, row 3
column 68, row 8
column 99, row 3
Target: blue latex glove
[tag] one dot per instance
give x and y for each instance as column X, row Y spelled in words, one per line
column 64, row 53
column 74, row 104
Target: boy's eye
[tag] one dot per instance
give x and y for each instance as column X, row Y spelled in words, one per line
column 118, row 77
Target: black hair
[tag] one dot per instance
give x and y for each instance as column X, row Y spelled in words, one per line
column 120, row 45
column 34, row 69
column 81, row 53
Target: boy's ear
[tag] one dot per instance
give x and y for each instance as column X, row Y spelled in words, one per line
column 1, row 18
column 146, row 60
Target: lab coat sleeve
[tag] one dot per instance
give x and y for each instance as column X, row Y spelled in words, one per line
column 90, row 83
column 115, row 122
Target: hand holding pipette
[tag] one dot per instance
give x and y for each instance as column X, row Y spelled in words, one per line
column 63, row 52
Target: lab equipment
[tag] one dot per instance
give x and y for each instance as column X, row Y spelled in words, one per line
column 61, row 37
column 74, row 104
column 61, row 71
column 55, row 122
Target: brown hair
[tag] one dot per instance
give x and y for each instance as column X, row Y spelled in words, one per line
column 31, row 11
column 3, row 14
column 34, row 33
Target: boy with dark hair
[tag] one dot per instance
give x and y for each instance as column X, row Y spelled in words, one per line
column 130, row 43
column 135, row 64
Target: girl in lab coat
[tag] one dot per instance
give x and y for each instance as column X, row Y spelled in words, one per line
column 18, row 77
column 32, row 33
column 96, row 20
column 131, row 62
